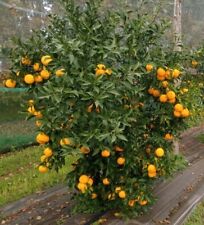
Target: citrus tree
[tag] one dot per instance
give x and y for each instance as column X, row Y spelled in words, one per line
column 106, row 88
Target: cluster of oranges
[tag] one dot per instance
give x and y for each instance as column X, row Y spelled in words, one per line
column 85, row 182
column 38, row 71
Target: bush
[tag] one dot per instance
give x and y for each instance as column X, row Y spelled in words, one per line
column 106, row 88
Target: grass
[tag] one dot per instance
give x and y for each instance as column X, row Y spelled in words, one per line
column 197, row 216
column 19, row 175
column 201, row 138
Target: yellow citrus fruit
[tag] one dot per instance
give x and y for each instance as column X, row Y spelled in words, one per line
column 122, row 194
column 168, row 74
column 172, row 101
column 60, row 72
column 90, row 181
column 43, row 169
column 143, row 202
column 36, row 67
column 194, row 63
column 10, row 83
column 46, row 59
column 153, row 174
column 118, row 149
column 65, row 141
column 48, row 152
column 93, row 196
column 45, row 74
column 101, row 67
column 121, row 161
column 163, row 98
column 117, row 189
column 151, row 168
column 25, row 61
column 105, row 153
column 38, row 123
column 161, row 78
column 43, row 158
column 159, row 152
column 31, row 109
column 185, row 113
column 82, row 187
column 38, row 79
column 83, row 179
column 106, row 181
column 42, row 138
column 156, row 93
column 149, row 67
column 168, row 137
column 178, row 107
column 100, row 72
column 165, row 84
column 177, row 114
column 161, row 72
column 171, row 95
column 84, row 150
column 29, row 79
column 131, row 203
column 109, row 71
column 176, row 73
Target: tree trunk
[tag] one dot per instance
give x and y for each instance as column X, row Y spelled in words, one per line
column 177, row 25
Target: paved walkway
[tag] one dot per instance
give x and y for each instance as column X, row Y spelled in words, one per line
column 176, row 197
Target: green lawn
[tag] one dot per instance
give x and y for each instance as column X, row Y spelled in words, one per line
column 19, row 175
column 197, row 217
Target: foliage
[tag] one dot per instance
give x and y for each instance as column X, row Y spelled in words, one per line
column 108, row 89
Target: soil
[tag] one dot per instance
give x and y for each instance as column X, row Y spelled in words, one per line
column 175, row 198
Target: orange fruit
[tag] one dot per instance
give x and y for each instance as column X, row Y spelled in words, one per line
column 85, row 150
column 93, row 196
column 90, row 181
column 83, row 179
column 31, row 109
column 149, row 67
column 106, row 181
column 194, row 63
column 38, row 79
column 185, row 90
column 43, row 158
column 156, row 93
column 48, row 152
column 105, row 153
column 60, row 72
column 178, row 107
column 65, row 141
column 161, row 78
column 25, row 61
column 100, row 72
column 176, row 73
column 161, row 72
column 121, row 161
column 168, row 137
column 38, row 114
column 171, row 95
column 42, row 138
column 185, row 113
column 168, row 74
column 43, row 169
column 101, row 67
column 118, row 149
column 117, row 189
column 163, row 98
column 143, row 202
column 29, row 79
column 82, row 187
column 109, row 71
column 45, row 74
column 36, row 67
column 153, row 174
column 159, row 152
column 10, row 83
column 122, row 194
column 177, row 114
column 172, row 101
column 46, row 59
column 151, row 91
column 38, row 123
column 151, row 168
column 165, row 84
column 131, row 203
